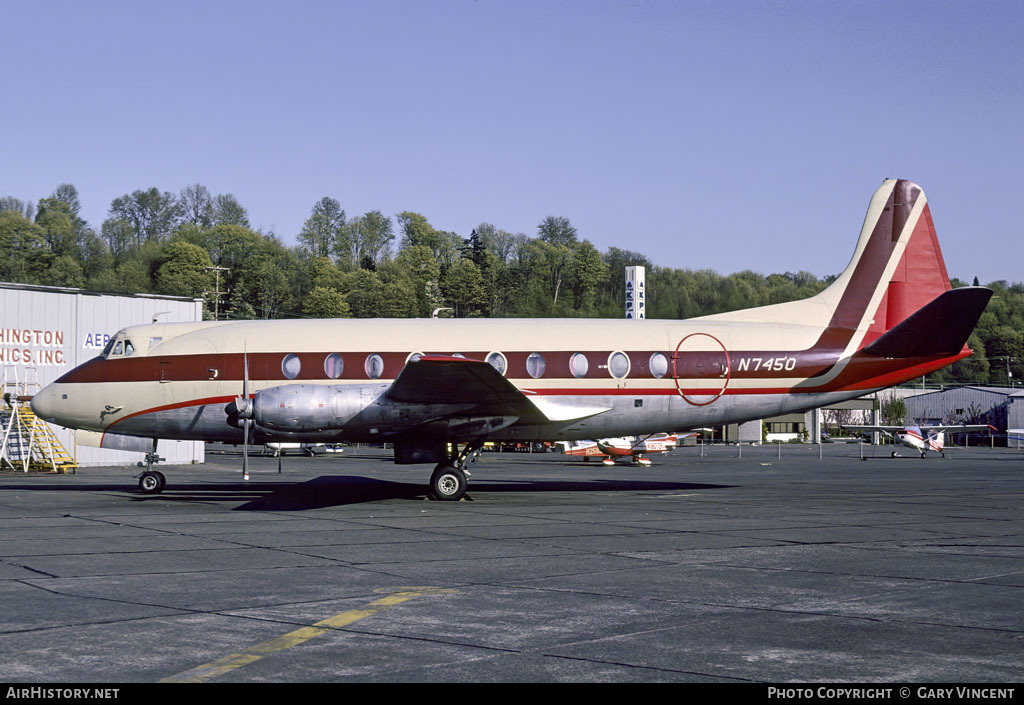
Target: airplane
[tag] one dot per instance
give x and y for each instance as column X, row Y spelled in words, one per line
column 279, row 449
column 439, row 388
column 608, row 449
column 921, row 438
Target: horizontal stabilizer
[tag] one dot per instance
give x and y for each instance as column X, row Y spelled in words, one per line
column 939, row 328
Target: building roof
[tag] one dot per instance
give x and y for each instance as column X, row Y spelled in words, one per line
column 86, row 292
column 1004, row 391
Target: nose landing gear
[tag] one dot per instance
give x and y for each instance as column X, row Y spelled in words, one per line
column 152, row 481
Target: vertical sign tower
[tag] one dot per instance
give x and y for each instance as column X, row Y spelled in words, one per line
column 636, row 295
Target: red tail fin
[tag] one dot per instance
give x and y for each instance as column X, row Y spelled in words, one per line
column 897, row 268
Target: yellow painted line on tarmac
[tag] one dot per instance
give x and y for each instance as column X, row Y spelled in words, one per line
column 227, row 664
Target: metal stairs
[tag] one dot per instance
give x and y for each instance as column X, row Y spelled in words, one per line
column 27, row 443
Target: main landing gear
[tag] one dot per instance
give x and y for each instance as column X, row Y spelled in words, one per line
column 449, row 480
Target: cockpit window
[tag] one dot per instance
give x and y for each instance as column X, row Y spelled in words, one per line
column 109, row 347
column 128, row 348
column 118, row 348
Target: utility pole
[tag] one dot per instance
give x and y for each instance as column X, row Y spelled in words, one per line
column 216, row 294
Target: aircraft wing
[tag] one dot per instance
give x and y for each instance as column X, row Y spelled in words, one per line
column 962, row 428
column 438, row 379
column 872, row 429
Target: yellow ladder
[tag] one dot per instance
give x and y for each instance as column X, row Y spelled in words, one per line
column 46, row 450
column 26, row 441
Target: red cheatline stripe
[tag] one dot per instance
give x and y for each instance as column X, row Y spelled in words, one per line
column 177, row 405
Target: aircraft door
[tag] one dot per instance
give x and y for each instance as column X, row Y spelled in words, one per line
column 701, row 368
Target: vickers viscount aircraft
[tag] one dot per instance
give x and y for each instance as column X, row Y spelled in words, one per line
column 920, row 438
column 439, row 388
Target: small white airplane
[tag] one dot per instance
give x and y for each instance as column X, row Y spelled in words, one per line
column 609, row 449
column 920, row 438
column 438, row 389
column 279, row 449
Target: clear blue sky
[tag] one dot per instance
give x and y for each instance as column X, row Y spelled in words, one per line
column 727, row 135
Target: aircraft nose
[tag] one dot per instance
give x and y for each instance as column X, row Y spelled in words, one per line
column 45, row 403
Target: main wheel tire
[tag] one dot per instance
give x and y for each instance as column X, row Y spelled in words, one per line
column 152, row 482
column 447, row 483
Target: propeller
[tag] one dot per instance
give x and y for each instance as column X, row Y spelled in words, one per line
column 244, row 408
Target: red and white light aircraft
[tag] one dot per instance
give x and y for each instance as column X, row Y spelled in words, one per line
column 425, row 385
column 921, row 438
column 609, row 449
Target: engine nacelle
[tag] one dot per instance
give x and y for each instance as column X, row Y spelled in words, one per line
column 301, row 408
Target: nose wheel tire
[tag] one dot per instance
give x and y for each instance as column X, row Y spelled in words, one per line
column 448, row 483
column 152, row 482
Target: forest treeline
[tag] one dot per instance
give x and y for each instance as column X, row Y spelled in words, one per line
column 195, row 243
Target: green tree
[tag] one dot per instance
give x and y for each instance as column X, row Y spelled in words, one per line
column 182, row 270
column 557, row 231
column 324, row 229
column 267, row 279
column 60, row 226
column 365, row 295
column 65, row 271
column 22, row 208
column 368, row 240
column 416, row 231
column 24, row 256
column 228, row 211
column 150, row 215
column 324, row 302
column 424, row 272
column 893, row 410
column 196, row 205
column 463, row 288
column 588, row 270
column 322, row 272
column 132, row 277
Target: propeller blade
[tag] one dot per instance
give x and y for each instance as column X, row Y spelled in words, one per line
column 245, row 450
column 246, row 417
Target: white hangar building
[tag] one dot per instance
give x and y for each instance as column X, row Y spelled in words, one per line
column 45, row 331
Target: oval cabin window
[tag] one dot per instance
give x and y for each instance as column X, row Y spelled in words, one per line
column 535, row 365
column 334, row 366
column 374, row 366
column 579, row 365
column 498, row 362
column 618, row 364
column 659, row 365
column 291, row 366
